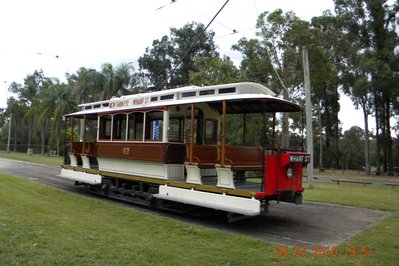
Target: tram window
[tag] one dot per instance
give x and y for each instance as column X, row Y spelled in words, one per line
column 119, row 127
column 135, row 131
column 207, row 92
column 227, row 90
column 175, row 129
column 167, row 97
column 211, row 131
column 91, row 130
column 105, row 127
column 198, row 126
column 154, row 125
column 188, row 94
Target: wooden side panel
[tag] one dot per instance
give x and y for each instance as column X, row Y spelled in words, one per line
column 154, row 152
column 75, row 147
column 175, row 153
column 91, row 148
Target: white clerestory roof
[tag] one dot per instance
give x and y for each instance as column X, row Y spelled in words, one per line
column 178, row 96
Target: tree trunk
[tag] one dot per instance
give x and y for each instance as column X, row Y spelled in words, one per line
column 43, row 137
column 377, row 135
column 321, row 168
column 15, row 136
column 337, row 141
column 366, row 141
column 383, row 141
column 30, row 132
column 58, row 138
column 388, row 141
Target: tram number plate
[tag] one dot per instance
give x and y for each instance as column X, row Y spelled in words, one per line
column 299, row 158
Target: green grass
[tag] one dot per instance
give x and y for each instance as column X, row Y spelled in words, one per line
column 35, row 158
column 352, row 174
column 384, row 235
column 43, row 225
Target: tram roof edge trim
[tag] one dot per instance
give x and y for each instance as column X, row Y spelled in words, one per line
column 180, row 96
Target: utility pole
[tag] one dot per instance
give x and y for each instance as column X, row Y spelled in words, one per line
column 308, row 103
column 9, row 133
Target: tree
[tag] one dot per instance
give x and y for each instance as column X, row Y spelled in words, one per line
column 28, row 93
column 17, row 108
column 283, row 36
column 190, row 42
column 369, row 25
column 324, row 68
column 213, row 71
column 118, row 81
column 55, row 102
column 42, row 111
column 169, row 62
column 255, row 64
column 275, row 60
column 86, row 85
column 351, row 147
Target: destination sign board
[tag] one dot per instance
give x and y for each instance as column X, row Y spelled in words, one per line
column 125, row 103
column 299, row 158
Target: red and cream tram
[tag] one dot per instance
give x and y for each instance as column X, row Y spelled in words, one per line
column 212, row 147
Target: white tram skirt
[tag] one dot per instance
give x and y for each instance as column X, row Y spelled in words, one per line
column 87, row 178
column 244, row 206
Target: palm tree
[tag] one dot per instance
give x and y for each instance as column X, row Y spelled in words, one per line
column 109, row 85
column 28, row 93
column 54, row 100
column 64, row 104
column 85, row 85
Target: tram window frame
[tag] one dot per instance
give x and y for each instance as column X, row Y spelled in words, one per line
column 105, row 127
column 135, row 126
column 119, row 124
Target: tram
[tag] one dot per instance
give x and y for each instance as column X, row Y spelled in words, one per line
column 212, row 147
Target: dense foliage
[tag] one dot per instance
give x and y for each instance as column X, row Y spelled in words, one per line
column 353, row 50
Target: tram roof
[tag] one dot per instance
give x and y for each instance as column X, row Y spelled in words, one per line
column 244, row 97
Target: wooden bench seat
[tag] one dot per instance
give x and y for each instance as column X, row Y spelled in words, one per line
column 244, row 158
column 204, row 156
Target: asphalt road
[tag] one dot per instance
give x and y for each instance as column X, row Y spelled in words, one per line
column 310, row 224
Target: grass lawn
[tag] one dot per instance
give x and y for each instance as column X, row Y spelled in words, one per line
column 43, row 225
column 351, row 174
column 35, row 158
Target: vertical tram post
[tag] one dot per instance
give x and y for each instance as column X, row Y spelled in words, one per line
column 224, row 107
column 192, row 133
column 84, row 134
